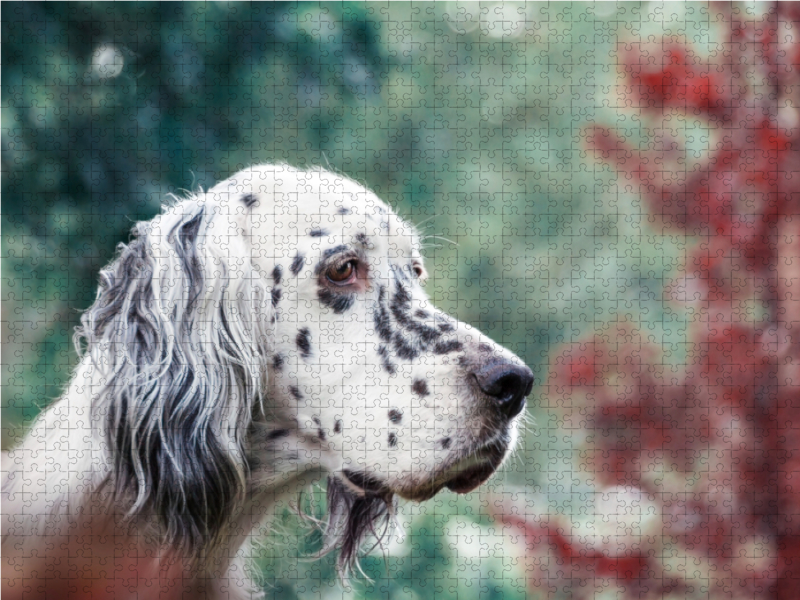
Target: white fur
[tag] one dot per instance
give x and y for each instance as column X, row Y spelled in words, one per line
column 280, row 423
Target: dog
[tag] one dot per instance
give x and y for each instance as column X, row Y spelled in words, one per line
column 248, row 341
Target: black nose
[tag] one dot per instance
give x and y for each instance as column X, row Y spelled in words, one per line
column 507, row 383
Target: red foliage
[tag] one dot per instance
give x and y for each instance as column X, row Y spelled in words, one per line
column 674, row 76
column 714, row 448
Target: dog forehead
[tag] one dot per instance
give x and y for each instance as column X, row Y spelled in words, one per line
column 305, row 207
column 291, row 190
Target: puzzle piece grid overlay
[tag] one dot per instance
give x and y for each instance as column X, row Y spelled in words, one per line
column 609, row 191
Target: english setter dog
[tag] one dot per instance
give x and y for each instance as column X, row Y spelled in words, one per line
column 248, row 341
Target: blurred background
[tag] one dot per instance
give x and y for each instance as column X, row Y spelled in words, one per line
column 613, row 185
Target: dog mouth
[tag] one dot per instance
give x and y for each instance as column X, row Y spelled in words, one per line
column 466, row 474
column 461, row 475
column 364, row 484
column 470, row 478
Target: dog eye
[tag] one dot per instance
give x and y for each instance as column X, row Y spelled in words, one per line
column 342, row 274
column 418, row 270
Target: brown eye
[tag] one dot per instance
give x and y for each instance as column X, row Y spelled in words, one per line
column 343, row 273
column 418, row 270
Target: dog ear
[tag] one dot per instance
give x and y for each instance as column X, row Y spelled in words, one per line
column 180, row 330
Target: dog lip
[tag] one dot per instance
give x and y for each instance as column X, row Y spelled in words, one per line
column 471, row 478
column 420, row 494
column 366, row 484
column 468, row 474
column 461, row 475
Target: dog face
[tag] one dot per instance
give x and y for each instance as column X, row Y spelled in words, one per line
column 366, row 377
column 274, row 325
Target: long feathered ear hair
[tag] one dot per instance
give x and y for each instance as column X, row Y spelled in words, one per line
column 178, row 332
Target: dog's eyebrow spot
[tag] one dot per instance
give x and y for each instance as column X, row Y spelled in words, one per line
column 294, row 391
column 362, row 239
column 277, row 362
column 318, row 232
column 395, row 416
column 303, row 341
column 445, row 442
column 337, row 426
column 276, row 296
column 277, row 273
column 343, row 210
column 249, row 200
column 335, row 250
column 392, row 440
column 420, row 386
column 297, row 264
column 447, row 347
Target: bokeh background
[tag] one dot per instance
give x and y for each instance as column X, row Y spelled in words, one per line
column 610, row 185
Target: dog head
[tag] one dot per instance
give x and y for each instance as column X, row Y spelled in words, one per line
column 278, row 322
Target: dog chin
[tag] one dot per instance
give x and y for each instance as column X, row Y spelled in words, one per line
column 460, row 476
